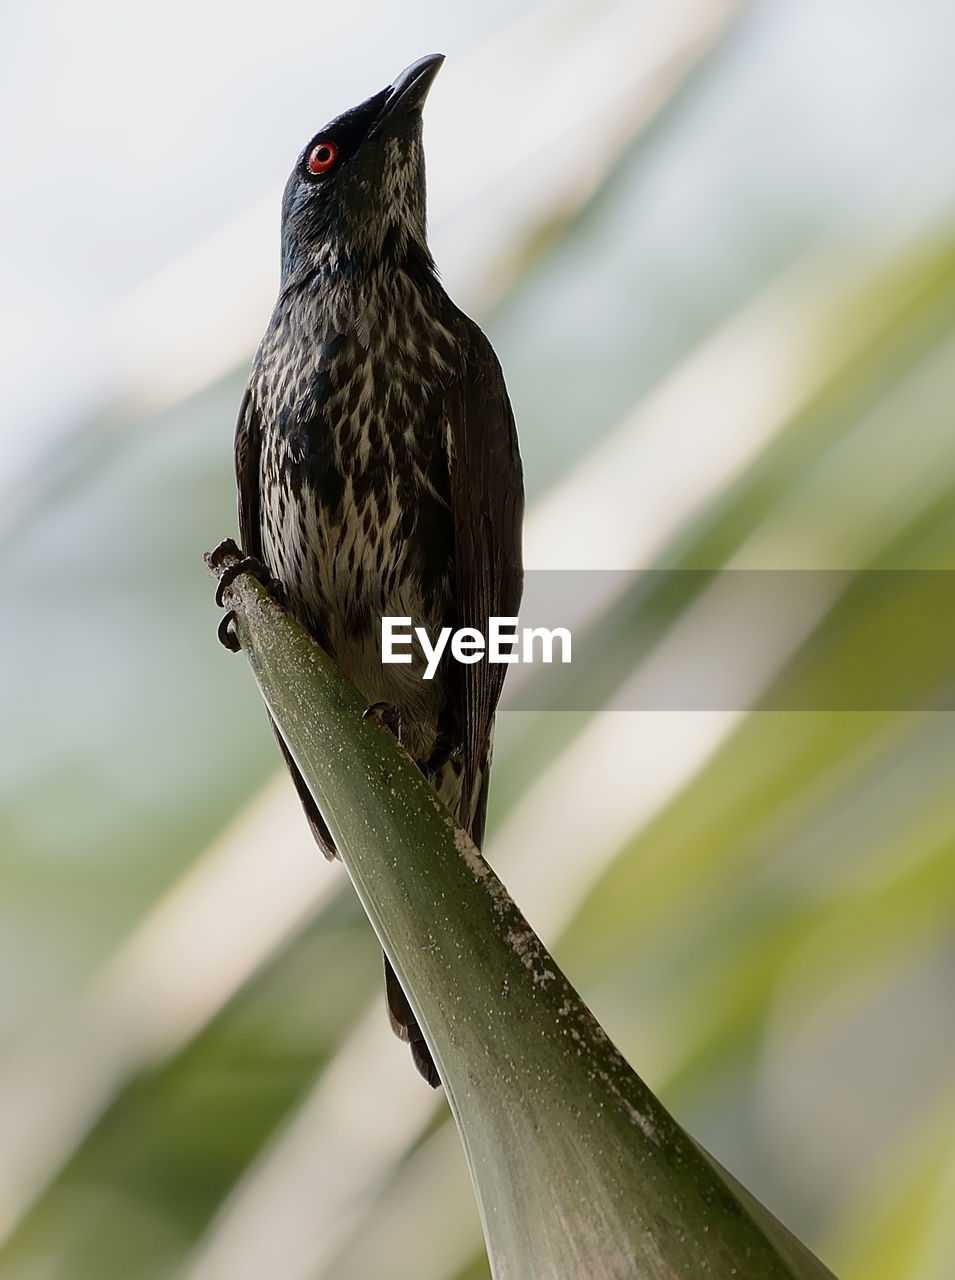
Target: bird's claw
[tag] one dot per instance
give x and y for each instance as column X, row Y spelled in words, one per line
column 254, row 566
column 385, row 714
column 227, row 633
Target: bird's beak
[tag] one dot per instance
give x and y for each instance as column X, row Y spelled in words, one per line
column 411, row 88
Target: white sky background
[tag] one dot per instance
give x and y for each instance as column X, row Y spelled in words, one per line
column 132, row 131
column 135, row 133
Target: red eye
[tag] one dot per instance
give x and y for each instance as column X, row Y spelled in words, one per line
column 322, row 157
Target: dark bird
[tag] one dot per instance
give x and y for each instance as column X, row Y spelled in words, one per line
column 376, row 457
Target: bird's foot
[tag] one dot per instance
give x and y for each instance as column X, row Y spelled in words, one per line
column 228, row 561
column 254, row 566
column 388, row 716
column 444, row 748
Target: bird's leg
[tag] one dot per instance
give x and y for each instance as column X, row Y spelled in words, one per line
column 442, row 751
column 229, row 561
column 385, row 714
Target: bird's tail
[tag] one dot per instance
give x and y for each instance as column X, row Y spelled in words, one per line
column 405, row 1026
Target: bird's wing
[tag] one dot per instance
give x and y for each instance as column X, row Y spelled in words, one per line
column 487, row 507
column 248, row 443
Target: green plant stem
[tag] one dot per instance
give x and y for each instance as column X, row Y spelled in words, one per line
column 579, row 1170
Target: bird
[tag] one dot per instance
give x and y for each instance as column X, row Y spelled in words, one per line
column 376, row 456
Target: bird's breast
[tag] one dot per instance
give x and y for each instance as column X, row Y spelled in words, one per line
column 355, row 489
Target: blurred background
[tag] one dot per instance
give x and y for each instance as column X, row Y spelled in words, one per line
column 714, row 245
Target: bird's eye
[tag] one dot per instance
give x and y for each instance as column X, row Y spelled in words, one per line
column 322, row 157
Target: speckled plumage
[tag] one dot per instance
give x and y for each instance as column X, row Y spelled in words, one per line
column 356, row 503
column 376, row 455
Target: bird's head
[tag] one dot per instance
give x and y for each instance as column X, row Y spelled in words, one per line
column 357, row 192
